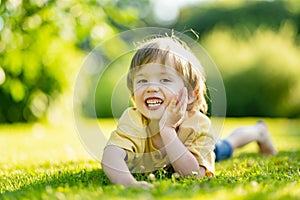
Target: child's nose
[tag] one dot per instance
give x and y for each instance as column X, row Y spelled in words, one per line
column 152, row 87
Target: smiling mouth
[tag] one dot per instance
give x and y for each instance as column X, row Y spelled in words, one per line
column 153, row 102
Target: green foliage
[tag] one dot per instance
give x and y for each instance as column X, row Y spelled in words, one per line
column 67, row 173
column 261, row 79
column 111, row 89
column 43, row 43
column 256, row 47
column 246, row 15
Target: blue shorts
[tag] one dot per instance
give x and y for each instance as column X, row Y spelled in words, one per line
column 223, row 150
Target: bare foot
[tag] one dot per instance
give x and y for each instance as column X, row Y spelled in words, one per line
column 265, row 144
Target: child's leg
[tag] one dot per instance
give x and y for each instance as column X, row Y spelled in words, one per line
column 223, row 150
column 256, row 133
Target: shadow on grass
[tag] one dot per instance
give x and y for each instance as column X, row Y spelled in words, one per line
column 86, row 175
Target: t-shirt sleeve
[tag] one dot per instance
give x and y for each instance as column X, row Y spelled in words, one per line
column 130, row 134
column 197, row 137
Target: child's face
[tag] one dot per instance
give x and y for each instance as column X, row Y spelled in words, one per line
column 154, row 87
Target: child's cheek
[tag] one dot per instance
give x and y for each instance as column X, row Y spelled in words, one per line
column 138, row 89
column 170, row 99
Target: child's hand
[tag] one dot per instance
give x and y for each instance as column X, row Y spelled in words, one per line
column 142, row 184
column 175, row 111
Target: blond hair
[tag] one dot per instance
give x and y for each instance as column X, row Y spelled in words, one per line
column 163, row 48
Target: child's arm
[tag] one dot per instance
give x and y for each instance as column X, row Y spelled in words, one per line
column 183, row 161
column 114, row 166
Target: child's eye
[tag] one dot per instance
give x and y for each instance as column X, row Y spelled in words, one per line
column 142, row 81
column 165, row 80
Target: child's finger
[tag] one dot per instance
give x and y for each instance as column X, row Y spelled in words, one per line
column 174, row 101
column 180, row 96
column 172, row 104
column 182, row 99
column 185, row 96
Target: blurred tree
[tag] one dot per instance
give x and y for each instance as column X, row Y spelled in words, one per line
column 255, row 44
column 43, row 42
column 247, row 15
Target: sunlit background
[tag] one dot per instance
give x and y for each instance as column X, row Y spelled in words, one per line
column 255, row 45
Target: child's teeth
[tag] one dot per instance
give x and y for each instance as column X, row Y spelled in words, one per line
column 153, row 102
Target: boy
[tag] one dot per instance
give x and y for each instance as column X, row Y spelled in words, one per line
column 168, row 126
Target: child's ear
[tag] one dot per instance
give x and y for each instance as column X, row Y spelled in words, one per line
column 192, row 96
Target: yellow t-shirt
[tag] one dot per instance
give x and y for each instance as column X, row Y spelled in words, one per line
column 132, row 135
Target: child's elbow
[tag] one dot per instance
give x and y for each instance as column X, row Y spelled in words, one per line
column 112, row 156
column 105, row 159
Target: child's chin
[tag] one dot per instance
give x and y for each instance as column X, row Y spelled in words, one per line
column 154, row 116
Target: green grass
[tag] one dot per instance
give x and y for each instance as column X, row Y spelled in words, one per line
column 43, row 162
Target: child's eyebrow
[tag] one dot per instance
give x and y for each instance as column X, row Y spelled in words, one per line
column 166, row 73
column 169, row 73
column 161, row 73
column 139, row 74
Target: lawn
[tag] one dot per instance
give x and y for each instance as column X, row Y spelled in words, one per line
column 39, row 161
